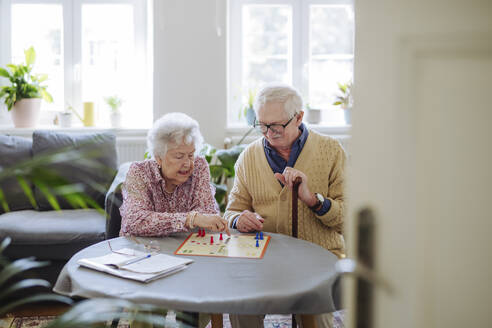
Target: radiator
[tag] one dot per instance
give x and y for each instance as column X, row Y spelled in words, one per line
column 130, row 149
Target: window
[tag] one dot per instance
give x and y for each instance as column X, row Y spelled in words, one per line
column 89, row 49
column 306, row 43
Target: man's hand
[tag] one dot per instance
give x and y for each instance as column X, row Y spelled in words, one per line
column 212, row 222
column 288, row 177
column 249, row 221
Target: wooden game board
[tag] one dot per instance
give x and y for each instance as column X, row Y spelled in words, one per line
column 238, row 245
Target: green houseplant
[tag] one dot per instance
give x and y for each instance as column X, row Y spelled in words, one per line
column 25, row 91
column 345, row 100
column 221, row 163
column 114, row 103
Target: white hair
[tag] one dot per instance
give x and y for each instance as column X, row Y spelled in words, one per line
column 281, row 93
column 173, row 128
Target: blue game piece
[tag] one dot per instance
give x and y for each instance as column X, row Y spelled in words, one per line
column 261, row 235
column 257, row 243
column 257, row 236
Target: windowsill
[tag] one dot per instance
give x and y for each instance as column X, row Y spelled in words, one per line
column 27, row 132
column 324, row 129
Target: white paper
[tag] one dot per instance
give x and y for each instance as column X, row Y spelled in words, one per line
column 146, row 269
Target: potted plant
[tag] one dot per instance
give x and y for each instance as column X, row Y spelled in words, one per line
column 345, row 100
column 313, row 115
column 248, row 110
column 25, row 91
column 114, row 103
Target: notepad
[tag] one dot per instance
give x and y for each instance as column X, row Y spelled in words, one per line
column 131, row 264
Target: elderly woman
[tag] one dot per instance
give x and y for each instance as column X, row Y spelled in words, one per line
column 170, row 192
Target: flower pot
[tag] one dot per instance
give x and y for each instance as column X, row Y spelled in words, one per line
column 347, row 113
column 25, row 112
column 115, row 119
column 65, row 120
column 314, row 116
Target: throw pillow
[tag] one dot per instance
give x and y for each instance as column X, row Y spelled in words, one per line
column 98, row 148
column 14, row 150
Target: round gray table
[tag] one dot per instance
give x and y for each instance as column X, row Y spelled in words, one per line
column 294, row 276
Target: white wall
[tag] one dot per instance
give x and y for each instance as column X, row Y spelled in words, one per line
column 190, row 63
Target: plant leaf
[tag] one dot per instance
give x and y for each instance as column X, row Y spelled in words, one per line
column 27, row 190
column 216, row 171
column 4, row 72
column 42, row 77
column 30, row 55
column 46, row 95
column 228, row 157
column 23, row 284
column 47, row 193
column 3, row 201
column 17, row 267
column 5, row 243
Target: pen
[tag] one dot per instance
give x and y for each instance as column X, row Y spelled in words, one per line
column 136, row 259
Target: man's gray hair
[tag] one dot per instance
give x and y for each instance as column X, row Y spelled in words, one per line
column 281, row 93
column 173, row 128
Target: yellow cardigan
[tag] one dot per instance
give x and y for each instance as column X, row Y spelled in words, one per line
column 256, row 189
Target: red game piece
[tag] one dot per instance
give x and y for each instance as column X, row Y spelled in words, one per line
column 211, row 239
column 203, row 232
column 220, row 236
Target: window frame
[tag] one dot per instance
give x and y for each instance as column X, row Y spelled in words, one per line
column 300, row 53
column 72, row 39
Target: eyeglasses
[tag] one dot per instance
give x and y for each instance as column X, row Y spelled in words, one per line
column 276, row 127
column 152, row 246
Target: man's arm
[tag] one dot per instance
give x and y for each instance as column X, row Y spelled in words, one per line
column 239, row 197
column 336, row 212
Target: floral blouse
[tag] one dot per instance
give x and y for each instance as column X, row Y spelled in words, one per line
column 149, row 210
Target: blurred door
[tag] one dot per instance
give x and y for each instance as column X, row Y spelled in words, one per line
column 421, row 159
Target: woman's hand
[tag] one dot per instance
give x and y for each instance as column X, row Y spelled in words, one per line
column 249, row 221
column 212, row 222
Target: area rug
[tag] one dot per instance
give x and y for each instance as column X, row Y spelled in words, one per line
column 271, row 321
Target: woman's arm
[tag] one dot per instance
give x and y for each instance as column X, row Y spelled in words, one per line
column 204, row 192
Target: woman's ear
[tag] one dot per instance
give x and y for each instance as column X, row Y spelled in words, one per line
column 159, row 161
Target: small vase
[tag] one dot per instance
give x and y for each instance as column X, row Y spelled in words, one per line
column 65, row 120
column 347, row 113
column 89, row 113
column 313, row 116
column 25, row 113
column 115, row 119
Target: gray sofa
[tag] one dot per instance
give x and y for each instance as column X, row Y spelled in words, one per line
column 42, row 232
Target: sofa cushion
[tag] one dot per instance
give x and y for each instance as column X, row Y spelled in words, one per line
column 55, row 235
column 14, row 150
column 94, row 180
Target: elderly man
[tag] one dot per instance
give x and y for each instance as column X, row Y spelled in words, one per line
column 261, row 197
